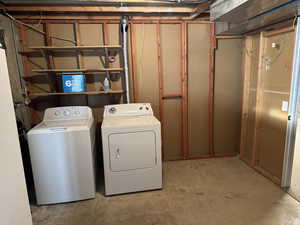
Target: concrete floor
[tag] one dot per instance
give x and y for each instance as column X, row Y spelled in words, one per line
column 209, row 192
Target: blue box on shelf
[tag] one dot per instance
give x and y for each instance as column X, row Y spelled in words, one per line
column 73, row 83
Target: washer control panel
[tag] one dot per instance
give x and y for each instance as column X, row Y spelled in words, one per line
column 138, row 109
column 66, row 113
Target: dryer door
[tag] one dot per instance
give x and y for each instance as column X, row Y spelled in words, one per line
column 130, row 151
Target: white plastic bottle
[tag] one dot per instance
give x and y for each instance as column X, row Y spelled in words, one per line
column 106, row 86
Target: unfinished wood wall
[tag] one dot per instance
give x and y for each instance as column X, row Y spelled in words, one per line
column 82, row 33
column 267, row 85
column 191, row 80
column 199, row 90
column 227, row 96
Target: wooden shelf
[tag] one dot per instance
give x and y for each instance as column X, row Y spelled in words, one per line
column 39, row 94
column 72, row 71
column 72, row 48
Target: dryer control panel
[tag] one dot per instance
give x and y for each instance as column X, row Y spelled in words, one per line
column 67, row 113
column 137, row 109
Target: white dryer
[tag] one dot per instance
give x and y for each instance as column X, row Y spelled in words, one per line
column 131, row 138
column 62, row 155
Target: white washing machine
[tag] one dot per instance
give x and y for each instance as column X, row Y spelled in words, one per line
column 62, row 155
column 131, row 138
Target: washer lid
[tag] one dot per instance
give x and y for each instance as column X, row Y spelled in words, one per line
column 61, row 126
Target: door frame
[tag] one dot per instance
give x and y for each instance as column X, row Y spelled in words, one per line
column 292, row 113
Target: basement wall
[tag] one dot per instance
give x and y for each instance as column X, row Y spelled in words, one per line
column 15, row 69
column 268, row 71
column 192, row 80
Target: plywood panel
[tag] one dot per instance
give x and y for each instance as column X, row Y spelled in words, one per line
column 172, row 129
column 92, row 59
column 94, row 37
column 63, row 61
column 114, row 39
column 271, row 138
column 146, row 65
column 171, row 57
column 280, row 61
column 198, row 88
column 227, row 96
column 277, row 71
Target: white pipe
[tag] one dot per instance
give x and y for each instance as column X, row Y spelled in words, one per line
column 125, row 55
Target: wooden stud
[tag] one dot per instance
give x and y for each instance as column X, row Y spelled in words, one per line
column 198, row 21
column 279, row 31
column 133, row 61
column 23, row 41
column 161, row 83
column 54, row 83
column 106, row 41
column 172, row 96
column 259, row 98
column 211, row 89
column 230, row 36
column 184, row 90
column 78, row 43
column 245, row 99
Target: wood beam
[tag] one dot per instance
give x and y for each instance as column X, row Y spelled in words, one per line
column 201, row 8
column 108, row 9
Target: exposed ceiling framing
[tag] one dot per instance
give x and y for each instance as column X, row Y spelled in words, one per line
column 192, row 8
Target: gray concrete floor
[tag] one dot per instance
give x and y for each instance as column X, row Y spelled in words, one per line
column 209, row 192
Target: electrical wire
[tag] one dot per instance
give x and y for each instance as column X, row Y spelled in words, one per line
column 36, row 29
column 271, row 61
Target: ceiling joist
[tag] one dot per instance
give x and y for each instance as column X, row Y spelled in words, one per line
column 104, row 9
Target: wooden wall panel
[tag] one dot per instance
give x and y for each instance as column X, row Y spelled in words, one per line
column 227, row 96
column 172, row 129
column 272, row 133
column 276, row 71
column 146, row 65
column 171, row 58
column 92, row 60
column 114, row 39
column 37, row 81
column 94, row 37
column 170, row 102
column 65, row 31
column 38, row 62
column 251, row 55
column 278, row 76
column 198, row 89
